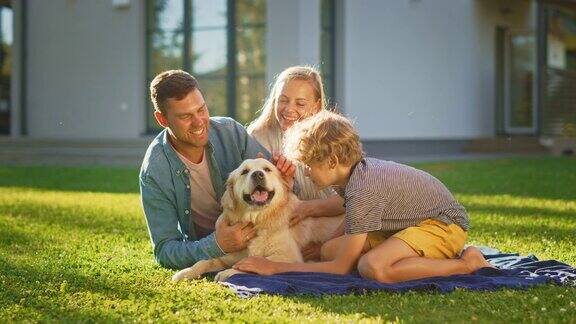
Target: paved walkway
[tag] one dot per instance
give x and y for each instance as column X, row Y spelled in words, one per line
column 72, row 153
column 130, row 153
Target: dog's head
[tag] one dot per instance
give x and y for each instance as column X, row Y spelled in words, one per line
column 256, row 185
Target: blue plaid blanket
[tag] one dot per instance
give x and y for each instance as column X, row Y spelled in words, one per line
column 512, row 271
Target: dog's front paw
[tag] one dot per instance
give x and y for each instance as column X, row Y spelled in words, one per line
column 187, row 274
column 194, row 272
column 225, row 274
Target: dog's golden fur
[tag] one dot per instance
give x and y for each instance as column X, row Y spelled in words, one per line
column 275, row 239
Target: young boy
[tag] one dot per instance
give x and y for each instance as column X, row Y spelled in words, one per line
column 401, row 223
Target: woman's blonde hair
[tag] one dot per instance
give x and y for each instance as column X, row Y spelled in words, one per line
column 317, row 138
column 267, row 117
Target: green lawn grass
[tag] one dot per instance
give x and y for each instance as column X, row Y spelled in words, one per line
column 74, row 247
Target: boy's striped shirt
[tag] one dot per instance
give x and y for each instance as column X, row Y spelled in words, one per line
column 388, row 196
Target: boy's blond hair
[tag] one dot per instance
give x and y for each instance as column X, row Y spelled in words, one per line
column 322, row 135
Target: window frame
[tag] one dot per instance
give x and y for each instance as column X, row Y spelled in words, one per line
column 328, row 71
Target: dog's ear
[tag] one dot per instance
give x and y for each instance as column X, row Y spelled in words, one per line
column 228, row 201
column 287, row 189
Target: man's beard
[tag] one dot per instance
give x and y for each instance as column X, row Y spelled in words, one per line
column 189, row 139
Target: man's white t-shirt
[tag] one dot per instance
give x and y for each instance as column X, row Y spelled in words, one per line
column 204, row 205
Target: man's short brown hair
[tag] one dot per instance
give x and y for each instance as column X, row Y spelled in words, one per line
column 172, row 84
column 322, row 135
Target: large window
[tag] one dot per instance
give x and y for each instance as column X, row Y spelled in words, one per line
column 220, row 42
column 6, row 33
column 559, row 72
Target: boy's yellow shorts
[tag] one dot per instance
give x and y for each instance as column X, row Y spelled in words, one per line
column 430, row 238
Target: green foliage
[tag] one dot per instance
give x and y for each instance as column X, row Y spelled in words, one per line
column 74, row 248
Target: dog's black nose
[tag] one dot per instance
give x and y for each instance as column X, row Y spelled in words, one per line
column 258, row 176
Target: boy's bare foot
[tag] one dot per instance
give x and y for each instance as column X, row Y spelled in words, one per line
column 474, row 259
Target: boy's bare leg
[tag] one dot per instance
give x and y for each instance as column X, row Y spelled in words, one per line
column 395, row 261
column 330, row 249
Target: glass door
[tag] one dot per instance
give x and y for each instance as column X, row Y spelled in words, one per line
column 520, row 82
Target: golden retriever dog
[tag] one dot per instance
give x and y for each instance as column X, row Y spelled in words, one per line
column 257, row 193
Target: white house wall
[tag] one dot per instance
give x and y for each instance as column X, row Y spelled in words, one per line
column 424, row 69
column 408, row 69
column 85, row 69
column 293, row 35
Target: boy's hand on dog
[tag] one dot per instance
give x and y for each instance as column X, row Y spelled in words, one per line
column 232, row 238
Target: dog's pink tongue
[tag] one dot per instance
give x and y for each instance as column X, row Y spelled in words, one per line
column 259, row 196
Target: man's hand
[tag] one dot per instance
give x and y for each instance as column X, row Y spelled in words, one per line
column 232, row 238
column 259, row 265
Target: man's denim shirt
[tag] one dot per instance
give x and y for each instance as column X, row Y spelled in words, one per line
column 164, row 188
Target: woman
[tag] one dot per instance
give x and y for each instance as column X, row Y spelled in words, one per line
column 296, row 94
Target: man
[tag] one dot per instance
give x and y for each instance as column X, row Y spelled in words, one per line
column 183, row 174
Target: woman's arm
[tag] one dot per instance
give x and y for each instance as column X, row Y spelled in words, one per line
column 344, row 263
